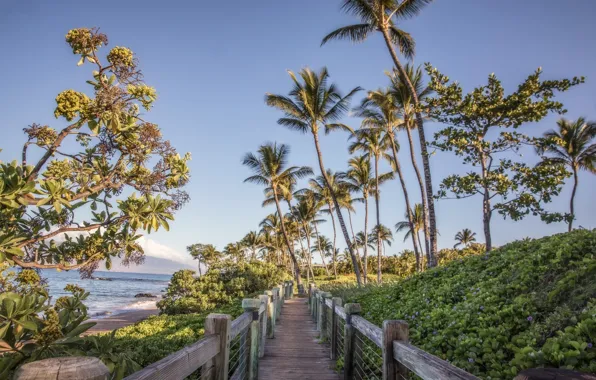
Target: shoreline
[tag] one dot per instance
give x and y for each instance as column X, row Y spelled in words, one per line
column 123, row 319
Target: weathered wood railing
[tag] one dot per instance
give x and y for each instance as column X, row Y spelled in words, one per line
column 230, row 349
column 371, row 352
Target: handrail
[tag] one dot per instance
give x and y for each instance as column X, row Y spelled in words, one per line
column 426, row 365
column 181, row 363
column 372, row 332
column 240, row 323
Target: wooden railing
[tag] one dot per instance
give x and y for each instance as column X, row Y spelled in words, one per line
column 230, row 348
column 371, row 352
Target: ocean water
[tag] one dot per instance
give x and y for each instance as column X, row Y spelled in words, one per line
column 110, row 292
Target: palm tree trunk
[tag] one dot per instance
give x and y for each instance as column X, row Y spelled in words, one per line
column 421, row 184
column 379, row 253
column 365, row 267
column 486, row 208
column 354, row 239
column 406, row 197
column 337, row 210
column 571, row 203
column 200, row 273
column 334, row 239
column 287, row 239
column 423, row 150
column 419, row 269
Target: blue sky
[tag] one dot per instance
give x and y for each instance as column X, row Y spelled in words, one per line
column 212, row 63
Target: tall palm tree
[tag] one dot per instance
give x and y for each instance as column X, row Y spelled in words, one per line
column 254, row 242
column 270, row 169
column 574, row 148
column 383, row 16
column 335, row 187
column 311, row 105
column 306, row 212
column 465, row 237
column 374, row 145
column 413, row 229
column 235, row 251
column 380, row 113
column 401, row 96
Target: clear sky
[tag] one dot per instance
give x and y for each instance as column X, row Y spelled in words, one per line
column 212, row 62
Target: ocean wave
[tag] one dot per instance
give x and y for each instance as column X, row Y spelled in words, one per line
column 133, row 306
column 155, row 281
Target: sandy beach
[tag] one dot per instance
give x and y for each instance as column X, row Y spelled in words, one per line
column 117, row 321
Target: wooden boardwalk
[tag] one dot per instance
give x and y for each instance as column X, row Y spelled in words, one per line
column 295, row 352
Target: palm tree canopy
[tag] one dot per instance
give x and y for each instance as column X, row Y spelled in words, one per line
column 377, row 15
column 573, row 144
column 385, row 235
column 372, row 142
column 312, row 103
column 400, row 92
column 379, row 110
column 359, row 177
column 320, row 192
column 465, row 237
column 359, row 242
column 270, row 169
column 417, row 219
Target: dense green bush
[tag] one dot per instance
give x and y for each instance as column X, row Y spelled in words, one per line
column 528, row 304
column 158, row 336
column 225, row 282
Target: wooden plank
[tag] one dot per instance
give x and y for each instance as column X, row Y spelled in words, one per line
column 328, row 302
column 427, row 366
column 218, row 367
column 371, row 331
column 392, row 331
column 181, row 363
column 339, row 310
column 239, row 324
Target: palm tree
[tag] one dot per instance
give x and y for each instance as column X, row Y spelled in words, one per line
column 385, row 235
column 320, row 191
column 253, row 241
column 375, row 145
column 235, row 251
column 271, row 229
column 573, row 147
column 306, row 212
column 413, row 229
column 401, row 96
column 465, row 237
column 380, row 113
column 382, row 16
column 313, row 104
column 323, row 244
column 269, row 169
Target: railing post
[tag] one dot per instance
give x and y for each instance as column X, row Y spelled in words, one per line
column 276, row 296
column 263, row 338
column 270, row 315
column 291, row 289
column 335, row 301
column 311, row 289
column 66, row 368
column 323, row 315
column 252, row 305
column 318, row 316
column 217, row 368
column 393, row 330
column 349, row 337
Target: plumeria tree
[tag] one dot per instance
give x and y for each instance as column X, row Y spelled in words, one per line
column 482, row 128
column 84, row 189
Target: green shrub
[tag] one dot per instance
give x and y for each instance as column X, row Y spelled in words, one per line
column 225, row 282
column 530, row 303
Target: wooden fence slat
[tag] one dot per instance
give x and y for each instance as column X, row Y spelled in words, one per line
column 181, row 363
column 426, row 365
column 339, row 310
column 239, row 324
column 371, row 331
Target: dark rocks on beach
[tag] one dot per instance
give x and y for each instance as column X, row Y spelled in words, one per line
column 145, row 295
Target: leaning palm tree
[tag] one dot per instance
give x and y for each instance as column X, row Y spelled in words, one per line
column 573, row 147
column 380, row 113
column 383, row 16
column 314, row 104
column 464, row 237
column 270, row 169
column 306, row 212
column 374, row 144
column 413, row 229
column 400, row 95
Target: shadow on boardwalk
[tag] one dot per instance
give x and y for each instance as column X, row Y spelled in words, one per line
column 296, row 353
